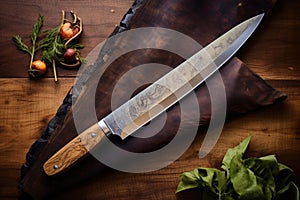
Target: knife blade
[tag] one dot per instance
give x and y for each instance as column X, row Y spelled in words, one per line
column 156, row 98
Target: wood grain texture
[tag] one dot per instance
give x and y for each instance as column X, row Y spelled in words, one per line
column 271, row 51
column 73, row 151
column 272, row 133
column 99, row 19
column 26, row 106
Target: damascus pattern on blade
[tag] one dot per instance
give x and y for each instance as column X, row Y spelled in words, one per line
column 177, row 83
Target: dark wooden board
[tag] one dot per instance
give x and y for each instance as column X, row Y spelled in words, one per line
column 99, row 19
column 26, row 106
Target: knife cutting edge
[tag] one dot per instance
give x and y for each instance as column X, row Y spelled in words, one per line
column 156, row 98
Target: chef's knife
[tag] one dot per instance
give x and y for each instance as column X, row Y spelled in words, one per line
column 156, row 98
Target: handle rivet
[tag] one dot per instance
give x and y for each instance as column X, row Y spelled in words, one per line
column 93, row 135
column 55, row 166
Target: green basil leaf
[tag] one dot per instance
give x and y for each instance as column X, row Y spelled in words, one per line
column 189, row 180
column 290, row 192
column 213, row 179
column 270, row 162
column 244, row 180
column 250, row 179
column 284, row 176
column 238, row 150
column 209, row 179
column 264, row 169
column 268, row 191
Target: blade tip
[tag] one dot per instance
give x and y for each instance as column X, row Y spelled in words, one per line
column 260, row 15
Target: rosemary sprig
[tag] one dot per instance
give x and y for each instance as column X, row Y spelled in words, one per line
column 20, row 45
column 52, row 46
column 34, row 35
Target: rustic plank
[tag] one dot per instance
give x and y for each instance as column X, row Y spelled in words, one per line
column 271, row 50
column 99, row 20
column 281, row 27
column 274, row 130
column 25, row 109
column 26, row 106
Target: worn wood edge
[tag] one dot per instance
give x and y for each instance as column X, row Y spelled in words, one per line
column 26, row 107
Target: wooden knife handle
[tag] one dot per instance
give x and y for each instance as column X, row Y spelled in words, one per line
column 74, row 150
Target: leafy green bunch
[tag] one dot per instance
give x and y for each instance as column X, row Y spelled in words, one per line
column 243, row 179
column 17, row 39
column 54, row 46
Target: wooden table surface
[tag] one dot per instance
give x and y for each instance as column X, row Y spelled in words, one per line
column 27, row 105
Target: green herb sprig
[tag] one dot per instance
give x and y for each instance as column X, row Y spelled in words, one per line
column 54, row 46
column 243, row 179
column 34, row 36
